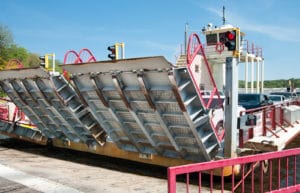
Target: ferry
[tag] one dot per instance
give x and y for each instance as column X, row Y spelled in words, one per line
column 150, row 110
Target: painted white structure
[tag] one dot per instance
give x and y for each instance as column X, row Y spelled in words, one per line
column 217, row 52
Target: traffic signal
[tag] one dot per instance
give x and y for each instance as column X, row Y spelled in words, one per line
column 230, row 40
column 112, row 49
column 42, row 61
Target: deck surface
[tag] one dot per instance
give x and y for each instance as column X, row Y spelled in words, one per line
column 266, row 143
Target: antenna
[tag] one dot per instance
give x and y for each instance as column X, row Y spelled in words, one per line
column 224, row 20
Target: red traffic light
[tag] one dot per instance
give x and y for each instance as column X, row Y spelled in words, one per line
column 230, row 35
column 112, row 49
column 230, row 40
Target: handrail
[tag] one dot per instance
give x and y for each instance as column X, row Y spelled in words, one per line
column 272, row 117
column 255, row 50
column 251, row 160
column 195, row 48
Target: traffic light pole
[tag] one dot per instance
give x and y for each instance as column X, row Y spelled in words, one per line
column 231, row 103
column 53, row 63
column 114, row 49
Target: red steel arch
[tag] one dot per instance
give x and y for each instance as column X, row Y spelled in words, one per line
column 91, row 57
column 195, row 48
column 72, row 57
column 84, row 55
column 75, row 60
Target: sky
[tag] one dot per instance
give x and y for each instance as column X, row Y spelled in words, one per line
column 153, row 27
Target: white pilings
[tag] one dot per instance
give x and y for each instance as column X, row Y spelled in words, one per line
column 252, row 74
column 246, row 73
column 262, row 75
column 256, row 73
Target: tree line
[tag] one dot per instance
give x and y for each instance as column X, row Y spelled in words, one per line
column 10, row 50
column 281, row 83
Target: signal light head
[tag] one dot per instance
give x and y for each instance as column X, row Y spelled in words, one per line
column 42, row 61
column 230, row 42
column 112, row 49
column 230, row 35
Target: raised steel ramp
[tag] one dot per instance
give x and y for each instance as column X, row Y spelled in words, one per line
column 13, row 129
column 147, row 105
column 57, row 114
column 143, row 105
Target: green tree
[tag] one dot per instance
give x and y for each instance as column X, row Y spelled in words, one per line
column 32, row 60
column 2, row 63
column 17, row 52
column 6, row 40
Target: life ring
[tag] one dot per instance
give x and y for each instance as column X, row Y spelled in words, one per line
column 219, row 47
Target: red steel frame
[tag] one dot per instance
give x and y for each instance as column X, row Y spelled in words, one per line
column 78, row 59
column 18, row 115
column 195, row 48
column 91, row 57
column 78, row 56
column 281, row 176
column 72, row 52
column 272, row 118
column 14, row 63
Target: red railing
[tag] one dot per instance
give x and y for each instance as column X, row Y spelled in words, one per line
column 252, row 49
column 267, row 172
column 12, row 114
column 195, row 48
column 270, row 119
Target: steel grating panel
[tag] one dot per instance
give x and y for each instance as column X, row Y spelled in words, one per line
column 16, row 129
column 142, row 96
column 144, row 105
column 32, row 90
column 16, row 98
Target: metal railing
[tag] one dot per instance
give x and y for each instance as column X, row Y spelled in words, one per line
column 270, row 119
column 267, row 172
column 251, row 48
column 12, row 114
